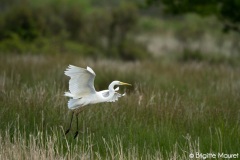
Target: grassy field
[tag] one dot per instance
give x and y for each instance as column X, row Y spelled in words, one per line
column 172, row 110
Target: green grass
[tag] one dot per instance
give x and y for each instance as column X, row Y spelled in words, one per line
column 173, row 109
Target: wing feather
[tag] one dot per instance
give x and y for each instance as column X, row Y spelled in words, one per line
column 105, row 93
column 116, row 96
column 81, row 81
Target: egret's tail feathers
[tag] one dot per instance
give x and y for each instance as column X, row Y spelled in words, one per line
column 68, row 94
column 73, row 103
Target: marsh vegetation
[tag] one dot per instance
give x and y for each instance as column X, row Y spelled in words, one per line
column 172, row 110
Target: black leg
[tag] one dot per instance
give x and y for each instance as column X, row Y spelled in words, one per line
column 76, row 133
column 70, row 125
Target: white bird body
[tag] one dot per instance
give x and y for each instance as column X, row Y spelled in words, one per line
column 82, row 91
column 91, row 99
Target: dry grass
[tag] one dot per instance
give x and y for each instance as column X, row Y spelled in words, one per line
column 173, row 109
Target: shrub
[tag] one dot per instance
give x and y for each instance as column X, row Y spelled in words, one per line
column 82, row 49
column 123, row 19
column 95, row 28
column 20, row 20
column 134, row 51
column 67, row 26
column 189, row 55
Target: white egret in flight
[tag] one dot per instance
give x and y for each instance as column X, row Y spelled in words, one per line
column 82, row 91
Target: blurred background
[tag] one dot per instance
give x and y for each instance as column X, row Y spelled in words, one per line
column 199, row 30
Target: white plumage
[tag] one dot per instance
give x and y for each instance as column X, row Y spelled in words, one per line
column 81, row 82
column 82, row 91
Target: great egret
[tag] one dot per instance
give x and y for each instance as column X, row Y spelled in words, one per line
column 82, row 91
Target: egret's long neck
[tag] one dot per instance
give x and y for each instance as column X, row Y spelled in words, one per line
column 111, row 89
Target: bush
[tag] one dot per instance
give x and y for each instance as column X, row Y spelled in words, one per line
column 134, row 51
column 95, row 28
column 14, row 45
column 67, row 26
column 82, row 49
column 210, row 58
column 189, row 55
column 20, row 20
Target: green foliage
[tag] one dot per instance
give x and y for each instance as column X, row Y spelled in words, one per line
column 21, row 21
column 123, row 19
column 149, row 24
column 229, row 15
column 225, row 10
column 191, row 56
column 210, row 58
column 134, row 51
column 99, row 30
column 95, row 29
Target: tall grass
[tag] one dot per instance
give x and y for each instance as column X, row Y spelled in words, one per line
column 172, row 110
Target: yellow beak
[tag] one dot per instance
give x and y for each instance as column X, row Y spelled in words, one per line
column 123, row 83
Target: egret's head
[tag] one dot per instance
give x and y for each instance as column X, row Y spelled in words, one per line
column 117, row 83
column 121, row 83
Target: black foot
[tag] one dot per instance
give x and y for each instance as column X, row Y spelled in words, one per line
column 76, row 134
column 67, row 131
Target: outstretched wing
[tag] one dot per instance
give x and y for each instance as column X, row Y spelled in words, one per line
column 81, row 81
